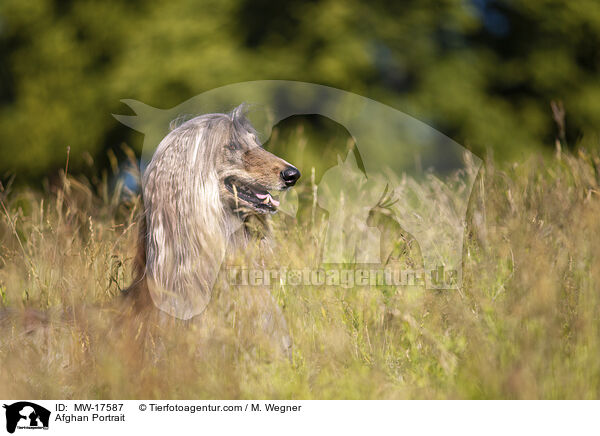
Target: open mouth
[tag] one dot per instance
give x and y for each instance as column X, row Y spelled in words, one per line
column 256, row 196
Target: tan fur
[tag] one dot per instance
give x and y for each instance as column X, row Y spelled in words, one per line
column 190, row 216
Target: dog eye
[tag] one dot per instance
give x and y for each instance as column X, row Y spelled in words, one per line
column 233, row 146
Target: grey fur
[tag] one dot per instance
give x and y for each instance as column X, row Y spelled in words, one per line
column 189, row 214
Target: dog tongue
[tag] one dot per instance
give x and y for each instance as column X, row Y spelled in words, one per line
column 268, row 199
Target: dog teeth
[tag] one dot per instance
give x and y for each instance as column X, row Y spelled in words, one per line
column 267, row 199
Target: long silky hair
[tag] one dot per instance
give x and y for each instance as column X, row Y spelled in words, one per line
column 187, row 225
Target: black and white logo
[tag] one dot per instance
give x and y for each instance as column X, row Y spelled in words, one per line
column 26, row 415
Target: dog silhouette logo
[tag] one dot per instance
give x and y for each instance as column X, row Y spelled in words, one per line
column 26, row 415
column 423, row 178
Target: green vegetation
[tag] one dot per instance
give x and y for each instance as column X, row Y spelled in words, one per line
column 491, row 74
column 524, row 325
column 482, row 71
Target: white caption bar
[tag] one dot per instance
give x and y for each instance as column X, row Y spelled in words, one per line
column 299, row 417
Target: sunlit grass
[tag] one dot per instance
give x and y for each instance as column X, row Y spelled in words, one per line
column 524, row 325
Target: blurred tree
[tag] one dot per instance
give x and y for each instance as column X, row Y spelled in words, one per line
column 482, row 71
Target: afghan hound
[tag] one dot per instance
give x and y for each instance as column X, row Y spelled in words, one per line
column 207, row 180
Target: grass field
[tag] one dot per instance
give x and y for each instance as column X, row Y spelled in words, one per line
column 526, row 323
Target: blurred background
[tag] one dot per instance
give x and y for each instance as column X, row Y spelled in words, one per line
column 483, row 72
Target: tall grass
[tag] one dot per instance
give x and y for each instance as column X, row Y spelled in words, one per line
column 525, row 323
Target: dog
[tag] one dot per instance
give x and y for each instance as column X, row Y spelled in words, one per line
column 208, row 179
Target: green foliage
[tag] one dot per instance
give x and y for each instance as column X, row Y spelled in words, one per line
column 523, row 325
column 481, row 71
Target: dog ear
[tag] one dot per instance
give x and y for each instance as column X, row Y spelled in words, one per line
column 239, row 112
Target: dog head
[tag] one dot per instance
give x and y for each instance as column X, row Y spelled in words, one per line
column 247, row 172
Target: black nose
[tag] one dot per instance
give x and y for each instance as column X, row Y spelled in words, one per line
column 290, row 175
